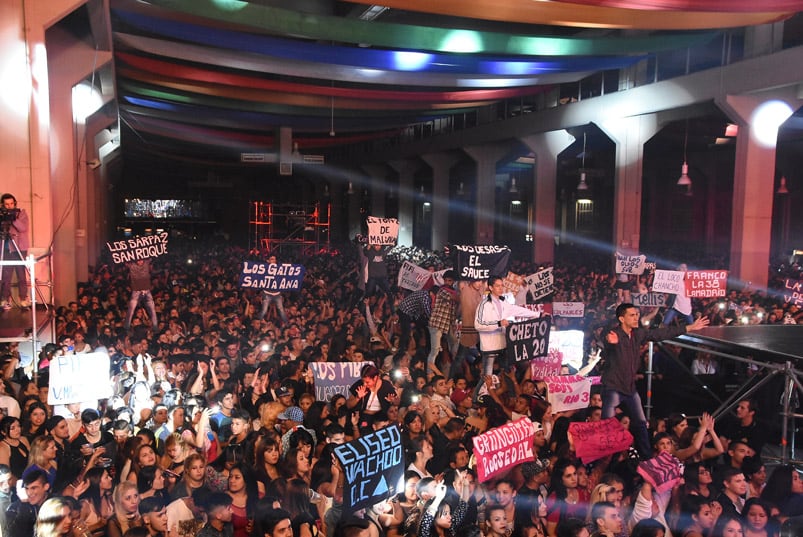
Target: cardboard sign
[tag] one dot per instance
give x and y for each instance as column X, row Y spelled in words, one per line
column 570, row 345
column 272, row 277
column 630, row 264
column 480, row 262
column 528, row 339
column 547, row 366
column 541, row 283
column 542, row 309
column 568, row 309
column 662, row 472
column 668, row 281
column 79, row 377
column 598, row 439
column 706, row 283
column 504, row 447
column 793, row 292
column 382, row 231
column 373, row 465
column 513, row 283
column 568, row 392
column 332, row 378
column 648, row 300
column 145, row 247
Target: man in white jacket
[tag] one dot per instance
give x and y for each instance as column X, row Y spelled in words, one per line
column 494, row 314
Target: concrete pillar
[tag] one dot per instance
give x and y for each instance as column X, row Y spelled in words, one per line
column 486, row 157
column 630, row 134
column 753, row 187
column 352, row 190
column 378, row 180
column 546, row 147
column 440, row 163
column 406, row 170
column 763, row 39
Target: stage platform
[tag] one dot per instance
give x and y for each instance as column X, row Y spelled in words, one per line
column 16, row 325
column 770, row 343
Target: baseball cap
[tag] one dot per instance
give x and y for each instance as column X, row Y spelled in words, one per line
column 281, row 391
column 292, row 413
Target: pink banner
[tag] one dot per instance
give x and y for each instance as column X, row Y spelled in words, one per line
column 706, row 283
column 503, row 447
column 596, row 439
column 547, row 366
column 662, row 471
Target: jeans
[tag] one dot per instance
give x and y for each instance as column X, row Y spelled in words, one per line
column 136, row 297
column 435, row 337
column 456, row 370
column 267, row 300
column 631, row 405
column 22, row 277
column 672, row 313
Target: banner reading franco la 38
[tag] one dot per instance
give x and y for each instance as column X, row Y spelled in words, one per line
column 373, row 465
column 504, row 447
column 136, row 248
column 481, row 261
column 706, row 283
column 271, row 276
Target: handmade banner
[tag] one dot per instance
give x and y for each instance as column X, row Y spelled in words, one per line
column 648, row 300
column 543, row 308
column 527, row 339
column 630, row 264
column 596, row 439
column 413, row 277
column 513, row 283
column 548, row 366
column 75, row 378
column 480, row 262
column 662, row 471
column 793, row 292
column 541, row 283
column 706, row 283
column 332, row 378
column 373, row 465
column 271, row 277
column 504, row 447
column 568, row 309
column 383, row 231
column 145, row 247
column 570, row 345
column 668, row 281
column 568, row 392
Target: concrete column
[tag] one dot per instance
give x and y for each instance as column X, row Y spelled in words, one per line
column 406, row 170
column 353, row 200
column 763, row 39
column 486, row 157
column 630, row 134
column 378, row 178
column 753, row 185
column 546, row 146
column 440, row 163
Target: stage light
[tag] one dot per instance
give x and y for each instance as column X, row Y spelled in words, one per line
column 767, row 119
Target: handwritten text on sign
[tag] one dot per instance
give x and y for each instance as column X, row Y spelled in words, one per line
column 541, row 283
column 382, row 230
column 481, row 261
column 570, row 345
column 568, row 309
column 528, row 339
column 568, row 392
column 648, row 300
column 630, row 264
column 272, row 277
column 668, row 281
column 136, row 248
column 332, row 378
column 793, row 292
column 548, row 366
column 373, row 465
column 79, row 377
column 412, row 277
column 706, row 283
column 503, row 447
column 594, row 440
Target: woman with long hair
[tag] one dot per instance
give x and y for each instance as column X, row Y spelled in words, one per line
column 440, row 518
column 727, row 526
column 54, row 518
column 297, row 465
column 420, row 454
column 151, row 483
column 35, row 424
column 756, row 475
column 43, row 457
column 697, row 517
column 96, row 502
column 176, row 450
column 698, row 481
column 144, row 456
column 126, row 510
column 244, row 495
column 14, row 447
column 217, row 471
column 268, row 453
column 566, row 499
column 784, row 490
column 758, row 521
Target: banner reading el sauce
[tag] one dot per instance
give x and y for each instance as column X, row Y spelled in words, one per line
column 503, row 447
column 78, row 377
column 528, row 339
column 594, row 440
column 136, row 248
column 373, row 465
column 568, row 392
column 706, row 283
column 481, row 262
column 332, row 378
column 382, row 230
column 272, row 277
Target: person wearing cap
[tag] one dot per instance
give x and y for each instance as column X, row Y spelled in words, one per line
column 290, row 421
column 534, row 491
column 442, row 318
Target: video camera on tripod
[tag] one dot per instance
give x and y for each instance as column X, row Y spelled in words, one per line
column 8, row 215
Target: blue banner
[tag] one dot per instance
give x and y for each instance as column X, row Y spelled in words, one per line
column 271, row 277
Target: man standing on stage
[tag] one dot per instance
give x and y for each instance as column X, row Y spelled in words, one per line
column 15, row 248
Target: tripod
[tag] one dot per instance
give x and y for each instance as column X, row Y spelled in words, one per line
column 7, row 240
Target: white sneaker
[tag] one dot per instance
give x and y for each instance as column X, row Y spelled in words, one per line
column 25, row 303
column 5, row 305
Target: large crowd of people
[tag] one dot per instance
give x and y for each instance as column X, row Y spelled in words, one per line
column 215, row 431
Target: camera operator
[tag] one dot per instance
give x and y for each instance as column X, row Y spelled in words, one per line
column 15, row 232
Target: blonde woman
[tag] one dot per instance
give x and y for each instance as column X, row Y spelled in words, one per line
column 54, row 518
column 126, row 510
column 43, row 457
column 176, row 451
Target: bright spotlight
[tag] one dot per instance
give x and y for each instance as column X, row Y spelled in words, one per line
column 767, row 119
